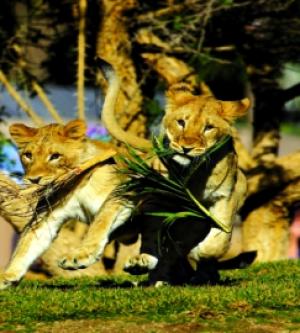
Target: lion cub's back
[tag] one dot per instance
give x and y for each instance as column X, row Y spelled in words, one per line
column 97, row 185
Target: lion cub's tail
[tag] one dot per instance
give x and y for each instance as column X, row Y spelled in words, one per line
column 108, row 111
column 242, row 260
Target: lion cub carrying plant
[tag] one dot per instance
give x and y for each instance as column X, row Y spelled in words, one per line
column 191, row 126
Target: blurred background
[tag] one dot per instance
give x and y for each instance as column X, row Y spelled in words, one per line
column 239, row 48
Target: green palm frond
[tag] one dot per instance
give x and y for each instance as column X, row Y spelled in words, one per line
column 170, row 194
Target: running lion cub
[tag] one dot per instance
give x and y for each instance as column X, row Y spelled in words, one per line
column 193, row 123
column 47, row 153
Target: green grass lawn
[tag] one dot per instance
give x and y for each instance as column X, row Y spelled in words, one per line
column 262, row 298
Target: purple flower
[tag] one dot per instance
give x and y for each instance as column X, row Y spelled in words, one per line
column 97, row 132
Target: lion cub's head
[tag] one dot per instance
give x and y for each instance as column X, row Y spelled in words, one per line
column 195, row 123
column 48, row 152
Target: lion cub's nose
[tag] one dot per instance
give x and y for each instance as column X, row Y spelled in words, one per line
column 34, row 180
column 186, row 150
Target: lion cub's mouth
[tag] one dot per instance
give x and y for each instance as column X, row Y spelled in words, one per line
column 183, row 156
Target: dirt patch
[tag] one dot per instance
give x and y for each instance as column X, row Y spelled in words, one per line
column 107, row 326
column 118, row 326
column 250, row 326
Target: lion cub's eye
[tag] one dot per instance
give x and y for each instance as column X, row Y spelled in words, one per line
column 54, row 156
column 28, row 155
column 208, row 128
column 181, row 123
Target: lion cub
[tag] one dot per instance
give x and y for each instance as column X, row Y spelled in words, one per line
column 192, row 125
column 47, row 153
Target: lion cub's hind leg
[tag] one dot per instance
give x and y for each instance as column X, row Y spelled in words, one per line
column 148, row 258
column 140, row 264
column 164, row 252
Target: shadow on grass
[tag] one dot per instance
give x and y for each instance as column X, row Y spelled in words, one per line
column 112, row 284
column 93, row 284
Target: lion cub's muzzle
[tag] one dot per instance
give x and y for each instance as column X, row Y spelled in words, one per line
column 38, row 180
column 34, row 180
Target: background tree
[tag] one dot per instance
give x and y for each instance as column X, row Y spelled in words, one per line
column 234, row 46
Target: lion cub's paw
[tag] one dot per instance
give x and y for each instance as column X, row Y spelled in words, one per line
column 159, row 284
column 77, row 260
column 7, row 280
column 140, row 264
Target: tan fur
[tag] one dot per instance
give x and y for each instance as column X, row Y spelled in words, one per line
column 193, row 124
column 109, row 120
column 17, row 207
column 47, row 153
column 52, row 150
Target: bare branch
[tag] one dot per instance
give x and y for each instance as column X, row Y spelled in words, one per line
column 81, row 59
column 148, row 17
column 47, row 103
column 291, row 92
column 207, row 15
column 20, row 101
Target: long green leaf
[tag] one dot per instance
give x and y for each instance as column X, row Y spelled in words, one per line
column 143, row 181
column 207, row 213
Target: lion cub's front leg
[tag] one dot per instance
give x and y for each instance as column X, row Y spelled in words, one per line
column 33, row 242
column 217, row 241
column 113, row 214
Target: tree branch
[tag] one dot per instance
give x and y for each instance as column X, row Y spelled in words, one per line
column 114, row 45
column 81, row 59
column 46, row 101
column 20, row 101
column 291, row 93
column 148, row 17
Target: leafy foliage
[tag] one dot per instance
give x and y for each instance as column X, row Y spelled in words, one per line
column 145, row 183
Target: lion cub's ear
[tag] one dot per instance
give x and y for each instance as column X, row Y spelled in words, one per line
column 205, row 90
column 75, row 129
column 21, row 133
column 232, row 110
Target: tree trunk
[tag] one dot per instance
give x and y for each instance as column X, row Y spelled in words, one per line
column 114, row 45
column 266, row 230
column 266, row 212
